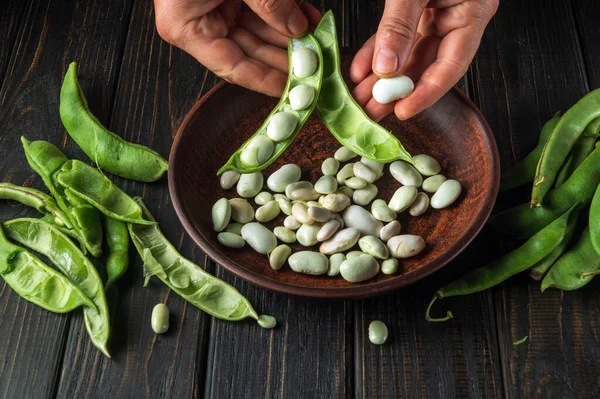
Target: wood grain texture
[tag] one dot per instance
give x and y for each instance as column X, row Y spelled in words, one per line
column 11, row 18
column 530, row 66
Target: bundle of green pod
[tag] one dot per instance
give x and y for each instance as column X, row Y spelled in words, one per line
column 561, row 221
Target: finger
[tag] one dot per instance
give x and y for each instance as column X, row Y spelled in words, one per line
column 377, row 111
column 252, row 22
column 361, row 64
column 312, row 14
column 282, row 15
column 363, row 92
column 256, row 49
column 396, row 35
column 424, row 54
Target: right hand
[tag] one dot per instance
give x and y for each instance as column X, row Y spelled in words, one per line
column 245, row 47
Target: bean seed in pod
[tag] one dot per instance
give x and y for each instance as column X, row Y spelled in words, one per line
column 319, row 214
column 347, row 191
column 235, row 228
column 300, row 212
column 336, row 202
column 285, row 205
column 362, row 171
column 221, row 214
column 250, row 184
column 267, row 212
column 390, row 230
column 344, row 154
column 301, row 97
column 373, row 246
column 420, row 205
column 389, row 266
column 284, row 234
column 231, row 240
column 328, row 230
column 281, row 126
column 258, row 151
column 426, row 165
column 403, row 198
column 377, row 203
column 375, row 166
column 340, row 242
column 355, row 183
column 307, row 234
column 330, row 166
column 378, row 332
column 354, row 254
column 263, row 197
column 345, row 173
column 431, row 184
column 387, row 90
column 359, row 218
column 266, row 321
column 160, row 319
column 365, row 195
column 229, row 178
column 241, row 210
column 297, row 186
column 326, row 185
column 384, row 214
column 335, row 261
column 446, row 194
column 309, row 262
column 304, row 62
column 405, row 246
column 359, row 269
column 279, row 256
column 291, row 223
column 284, row 176
column 406, row 174
column 305, row 194
column 261, row 239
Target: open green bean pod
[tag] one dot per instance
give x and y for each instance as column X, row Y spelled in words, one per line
column 44, row 238
column 236, row 162
column 344, row 118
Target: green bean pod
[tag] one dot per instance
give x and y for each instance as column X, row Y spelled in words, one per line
column 582, row 148
column 524, row 171
column 523, row 221
column 344, row 118
column 60, row 250
column 117, row 238
column 532, row 251
column 235, row 163
column 594, row 220
column 36, row 282
column 576, row 267
column 570, row 126
column 106, row 149
column 46, row 160
column 188, row 280
column 92, row 186
column 36, row 199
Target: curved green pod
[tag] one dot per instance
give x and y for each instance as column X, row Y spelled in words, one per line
column 188, row 280
column 235, row 162
column 581, row 149
column 49, row 241
column 36, row 199
column 36, row 282
column 344, row 118
column 105, row 148
column 117, row 240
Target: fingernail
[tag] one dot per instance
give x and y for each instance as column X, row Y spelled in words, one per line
column 386, row 61
column 297, row 23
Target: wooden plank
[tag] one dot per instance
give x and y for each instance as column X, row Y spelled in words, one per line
column 11, row 19
column 157, row 86
column 32, row 340
column 530, row 66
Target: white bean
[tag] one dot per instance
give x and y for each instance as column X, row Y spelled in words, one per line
column 301, row 97
column 359, row 218
column 344, row 154
column 258, row 151
column 391, row 89
column 281, row 126
column 446, row 194
column 405, row 246
column 403, row 198
column 390, row 230
column 364, row 172
column 283, row 177
column 406, row 174
column 426, row 165
column 229, row 178
column 420, row 205
column 304, row 62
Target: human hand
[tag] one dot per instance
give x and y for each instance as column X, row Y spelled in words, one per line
column 431, row 41
column 243, row 45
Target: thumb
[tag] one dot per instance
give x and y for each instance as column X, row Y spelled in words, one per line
column 282, row 15
column 396, row 35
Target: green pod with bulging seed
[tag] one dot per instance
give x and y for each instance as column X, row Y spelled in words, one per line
column 344, row 118
column 236, row 163
column 107, row 150
column 117, row 239
column 66, row 256
column 188, row 280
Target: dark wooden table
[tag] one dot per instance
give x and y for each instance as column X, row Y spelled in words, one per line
column 535, row 58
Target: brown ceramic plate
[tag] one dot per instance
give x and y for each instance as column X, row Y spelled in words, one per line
column 453, row 132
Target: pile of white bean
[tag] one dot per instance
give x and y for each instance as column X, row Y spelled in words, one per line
column 332, row 213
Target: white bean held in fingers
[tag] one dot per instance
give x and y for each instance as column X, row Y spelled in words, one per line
column 241, row 210
column 373, row 246
column 387, row 90
column 291, row 223
column 330, row 166
column 340, row 242
column 359, row 269
column 319, row 214
column 258, row 151
column 326, row 185
column 261, row 239
column 448, row 192
column 221, row 214
column 431, row 184
column 307, row 234
column 364, row 172
column 426, row 165
column 420, row 205
column 309, row 262
column 263, row 197
column 304, row 62
column 328, row 230
column 406, row 174
column 390, row 230
column 229, row 178
column 284, row 234
column 344, row 154
column 301, row 97
column 361, row 219
column 278, row 256
column 405, row 246
column 230, row 240
column 250, row 184
column 284, row 176
column 403, row 198
column 365, row 195
column 335, row 261
column 389, row 266
column 267, row 212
